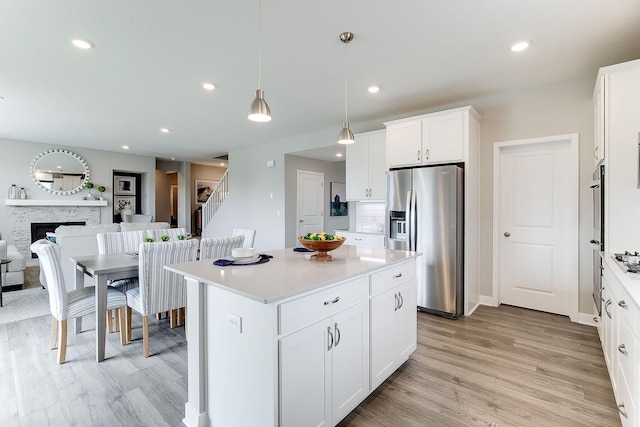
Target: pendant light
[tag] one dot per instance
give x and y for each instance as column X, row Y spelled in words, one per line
column 346, row 136
column 259, row 110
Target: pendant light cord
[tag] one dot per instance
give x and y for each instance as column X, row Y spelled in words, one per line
column 346, row 118
column 260, row 44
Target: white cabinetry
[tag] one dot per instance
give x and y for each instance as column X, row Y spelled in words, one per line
column 435, row 138
column 393, row 321
column 599, row 135
column 616, row 96
column 324, row 369
column 366, row 166
column 362, row 239
column 620, row 341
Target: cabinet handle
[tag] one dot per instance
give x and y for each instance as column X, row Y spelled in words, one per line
column 401, row 300
column 330, row 345
column 418, row 155
column 335, row 300
column 397, row 302
column 397, row 276
column 426, row 153
column 337, row 334
column 622, row 411
column 623, row 304
column 595, row 320
column 607, row 304
column 623, row 349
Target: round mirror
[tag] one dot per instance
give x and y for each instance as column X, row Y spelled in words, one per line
column 60, row 172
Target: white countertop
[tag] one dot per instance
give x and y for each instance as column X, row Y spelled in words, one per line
column 288, row 273
column 630, row 282
column 377, row 233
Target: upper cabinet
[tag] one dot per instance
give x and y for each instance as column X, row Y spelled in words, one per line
column 435, row 138
column 366, row 166
column 600, row 119
column 617, row 132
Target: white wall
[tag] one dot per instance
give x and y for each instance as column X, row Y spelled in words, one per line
column 333, row 172
column 551, row 109
column 15, row 166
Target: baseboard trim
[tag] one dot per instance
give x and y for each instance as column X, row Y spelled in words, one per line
column 486, row 300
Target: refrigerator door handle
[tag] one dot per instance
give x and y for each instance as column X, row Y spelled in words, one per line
column 414, row 229
column 409, row 210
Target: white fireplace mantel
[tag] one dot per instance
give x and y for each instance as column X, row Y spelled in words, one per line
column 57, row 202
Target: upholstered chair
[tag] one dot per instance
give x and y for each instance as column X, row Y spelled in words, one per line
column 219, row 247
column 249, row 236
column 160, row 290
column 173, row 233
column 119, row 243
column 68, row 305
column 136, row 218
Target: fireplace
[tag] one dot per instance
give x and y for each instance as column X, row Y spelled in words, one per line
column 39, row 230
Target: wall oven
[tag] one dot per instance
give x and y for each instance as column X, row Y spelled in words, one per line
column 598, row 242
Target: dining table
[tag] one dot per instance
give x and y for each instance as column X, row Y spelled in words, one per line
column 103, row 268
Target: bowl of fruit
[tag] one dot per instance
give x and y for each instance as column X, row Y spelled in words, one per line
column 321, row 243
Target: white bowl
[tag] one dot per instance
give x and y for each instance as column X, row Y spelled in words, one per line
column 243, row 252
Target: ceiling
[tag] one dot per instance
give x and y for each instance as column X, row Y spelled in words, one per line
column 152, row 56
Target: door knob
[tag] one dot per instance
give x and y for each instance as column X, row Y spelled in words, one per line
column 507, row 234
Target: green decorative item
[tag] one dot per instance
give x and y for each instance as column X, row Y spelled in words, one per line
column 149, row 239
column 102, row 189
column 89, row 185
column 164, row 238
column 181, row 236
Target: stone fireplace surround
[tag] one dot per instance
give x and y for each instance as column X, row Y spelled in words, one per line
column 23, row 215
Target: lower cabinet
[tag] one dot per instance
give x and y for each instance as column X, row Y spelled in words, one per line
column 620, row 343
column 393, row 330
column 324, row 369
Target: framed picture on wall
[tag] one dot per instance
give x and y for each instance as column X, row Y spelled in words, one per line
column 123, row 202
column 338, row 205
column 124, row 185
column 204, row 189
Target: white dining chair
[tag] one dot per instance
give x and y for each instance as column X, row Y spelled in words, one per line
column 68, row 305
column 219, row 247
column 249, row 236
column 120, row 243
column 160, row 290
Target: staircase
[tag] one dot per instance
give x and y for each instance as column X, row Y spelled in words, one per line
column 216, row 199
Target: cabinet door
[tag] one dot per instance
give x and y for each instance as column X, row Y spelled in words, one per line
column 407, row 321
column 378, row 166
column 350, row 359
column 404, row 143
column 357, row 168
column 599, row 121
column 383, row 330
column 305, row 376
column 442, row 138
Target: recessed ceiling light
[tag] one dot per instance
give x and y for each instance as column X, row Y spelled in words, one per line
column 173, row 158
column 519, row 47
column 208, row 86
column 165, row 130
column 338, row 154
column 59, row 167
column 222, row 164
column 82, row 44
column 374, row 89
column 125, row 147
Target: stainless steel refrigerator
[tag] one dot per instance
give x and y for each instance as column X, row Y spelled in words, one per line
column 425, row 214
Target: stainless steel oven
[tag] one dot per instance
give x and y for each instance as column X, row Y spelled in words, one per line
column 597, row 242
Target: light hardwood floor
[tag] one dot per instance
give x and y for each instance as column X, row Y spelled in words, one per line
column 501, row 367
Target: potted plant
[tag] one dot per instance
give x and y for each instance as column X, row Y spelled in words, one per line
column 164, row 238
column 181, row 236
column 149, row 240
column 101, row 189
column 89, row 185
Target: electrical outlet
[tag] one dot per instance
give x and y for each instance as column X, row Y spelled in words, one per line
column 234, row 322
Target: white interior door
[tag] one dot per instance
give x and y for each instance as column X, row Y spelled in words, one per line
column 310, row 202
column 536, row 224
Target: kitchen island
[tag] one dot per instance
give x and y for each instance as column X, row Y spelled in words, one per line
column 292, row 342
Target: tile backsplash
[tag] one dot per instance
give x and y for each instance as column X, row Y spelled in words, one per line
column 369, row 217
